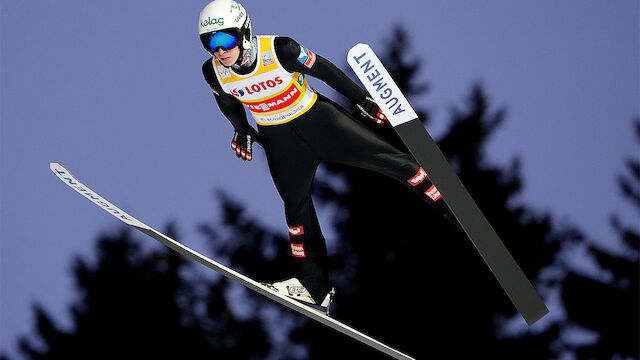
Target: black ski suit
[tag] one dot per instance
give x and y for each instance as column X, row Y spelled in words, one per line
column 326, row 132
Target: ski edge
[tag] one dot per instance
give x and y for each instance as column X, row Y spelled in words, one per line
column 63, row 174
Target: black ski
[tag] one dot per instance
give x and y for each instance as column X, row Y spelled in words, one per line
column 406, row 123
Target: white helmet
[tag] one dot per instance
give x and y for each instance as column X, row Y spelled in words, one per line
column 225, row 15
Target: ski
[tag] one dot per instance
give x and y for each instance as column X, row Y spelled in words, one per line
column 407, row 125
column 64, row 175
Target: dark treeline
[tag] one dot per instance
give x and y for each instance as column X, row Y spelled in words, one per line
column 403, row 275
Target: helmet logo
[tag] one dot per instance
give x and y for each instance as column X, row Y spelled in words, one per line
column 210, row 21
column 234, row 5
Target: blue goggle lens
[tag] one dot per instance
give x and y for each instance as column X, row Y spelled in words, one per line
column 222, row 40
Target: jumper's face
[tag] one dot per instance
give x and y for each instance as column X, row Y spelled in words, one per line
column 227, row 57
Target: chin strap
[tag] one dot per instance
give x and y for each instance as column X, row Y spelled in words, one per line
column 249, row 57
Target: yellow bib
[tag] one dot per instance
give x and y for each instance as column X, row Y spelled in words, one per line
column 272, row 94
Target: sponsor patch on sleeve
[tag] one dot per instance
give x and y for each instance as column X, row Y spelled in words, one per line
column 297, row 250
column 418, row 178
column 296, row 230
column 433, row 193
column 306, row 57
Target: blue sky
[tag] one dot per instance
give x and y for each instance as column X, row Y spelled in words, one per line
column 113, row 91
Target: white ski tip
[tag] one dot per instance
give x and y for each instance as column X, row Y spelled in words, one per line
column 359, row 48
column 57, row 168
column 375, row 78
column 66, row 177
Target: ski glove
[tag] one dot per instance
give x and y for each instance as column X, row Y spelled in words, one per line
column 370, row 110
column 242, row 144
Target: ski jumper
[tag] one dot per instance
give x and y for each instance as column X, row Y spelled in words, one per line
column 300, row 128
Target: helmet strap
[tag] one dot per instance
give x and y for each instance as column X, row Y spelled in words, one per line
column 247, row 56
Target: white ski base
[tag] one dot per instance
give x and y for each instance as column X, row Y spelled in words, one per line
column 72, row 182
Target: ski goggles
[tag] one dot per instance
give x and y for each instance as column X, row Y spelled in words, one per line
column 221, row 39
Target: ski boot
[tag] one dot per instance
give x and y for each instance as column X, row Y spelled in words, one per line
column 292, row 288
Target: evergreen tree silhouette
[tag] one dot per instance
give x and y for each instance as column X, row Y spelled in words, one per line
column 134, row 303
column 610, row 307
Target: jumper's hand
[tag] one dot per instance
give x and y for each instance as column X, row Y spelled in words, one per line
column 370, row 110
column 242, row 144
